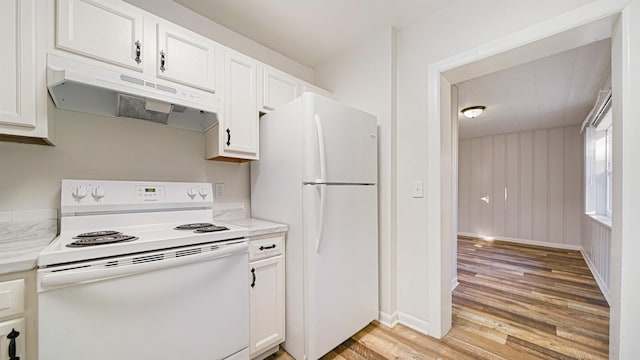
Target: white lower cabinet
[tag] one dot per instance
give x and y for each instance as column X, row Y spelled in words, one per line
column 17, row 318
column 266, row 276
column 12, row 339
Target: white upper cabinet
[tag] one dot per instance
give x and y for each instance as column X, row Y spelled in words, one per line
column 107, row 30
column 306, row 87
column 235, row 136
column 240, row 113
column 23, row 115
column 278, row 88
column 17, row 88
column 186, row 57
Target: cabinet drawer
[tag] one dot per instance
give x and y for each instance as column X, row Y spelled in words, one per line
column 266, row 247
column 11, row 298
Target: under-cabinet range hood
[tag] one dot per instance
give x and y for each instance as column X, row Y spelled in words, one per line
column 78, row 86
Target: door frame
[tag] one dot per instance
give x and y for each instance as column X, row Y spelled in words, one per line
column 442, row 166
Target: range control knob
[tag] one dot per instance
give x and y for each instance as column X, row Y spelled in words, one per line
column 98, row 193
column 203, row 193
column 192, row 193
column 79, row 193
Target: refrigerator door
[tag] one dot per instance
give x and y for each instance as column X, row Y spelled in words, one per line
column 341, row 264
column 340, row 143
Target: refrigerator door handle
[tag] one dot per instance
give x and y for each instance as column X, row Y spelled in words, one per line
column 323, row 195
column 321, row 151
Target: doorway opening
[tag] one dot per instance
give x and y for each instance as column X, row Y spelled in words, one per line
column 554, row 37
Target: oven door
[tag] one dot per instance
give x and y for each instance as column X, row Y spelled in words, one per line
column 180, row 304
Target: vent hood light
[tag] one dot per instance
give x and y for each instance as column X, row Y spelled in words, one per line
column 473, row 111
column 98, row 90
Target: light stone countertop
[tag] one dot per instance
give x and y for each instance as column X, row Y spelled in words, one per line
column 23, row 234
column 257, row 227
column 235, row 213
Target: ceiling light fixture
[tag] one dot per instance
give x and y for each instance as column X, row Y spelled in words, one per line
column 473, row 111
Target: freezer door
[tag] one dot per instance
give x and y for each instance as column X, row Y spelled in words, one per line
column 341, row 264
column 340, row 143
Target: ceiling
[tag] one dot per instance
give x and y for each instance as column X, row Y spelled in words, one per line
column 554, row 91
column 310, row 31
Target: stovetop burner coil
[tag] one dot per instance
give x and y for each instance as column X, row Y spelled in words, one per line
column 93, row 234
column 212, row 228
column 193, row 226
column 102, row 240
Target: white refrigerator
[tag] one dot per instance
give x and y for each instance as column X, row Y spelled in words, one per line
column 317, row 173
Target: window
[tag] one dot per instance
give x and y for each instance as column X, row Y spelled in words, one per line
column 598, row 168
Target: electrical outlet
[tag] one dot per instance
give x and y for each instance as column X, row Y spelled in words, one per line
column 219, row 190
column 418, row 189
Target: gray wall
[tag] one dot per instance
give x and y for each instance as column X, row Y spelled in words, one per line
column 97, row 147
column 542, row 172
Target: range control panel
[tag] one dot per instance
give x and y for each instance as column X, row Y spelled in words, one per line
column 150, row 193
column 89, row 196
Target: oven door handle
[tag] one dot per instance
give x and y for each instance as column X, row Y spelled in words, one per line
column 83, row 275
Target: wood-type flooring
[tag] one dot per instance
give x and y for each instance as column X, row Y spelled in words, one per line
column 514, row 302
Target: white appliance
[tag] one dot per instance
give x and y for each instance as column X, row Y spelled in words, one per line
column 317, row 173
column 84, row 87
column 123, row 282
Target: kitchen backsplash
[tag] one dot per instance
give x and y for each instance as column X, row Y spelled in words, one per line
column 26, row 229
column 230, row 210
column 124, row 150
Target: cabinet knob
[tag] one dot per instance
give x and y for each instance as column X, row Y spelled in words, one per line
column 138, row 51
column 12, row 344
column 253, row 274
column 163, row 61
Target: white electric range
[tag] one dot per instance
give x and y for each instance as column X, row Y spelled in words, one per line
column 139, row 271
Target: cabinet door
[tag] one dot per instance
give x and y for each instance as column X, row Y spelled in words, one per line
column 186, row 57
column 278, row 88
column 266, row 304
column 12, row 329
column 306, row 87
column 239, row 134
column 107, row 30
column 17, row 88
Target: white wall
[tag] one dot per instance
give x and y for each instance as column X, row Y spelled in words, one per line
column 184, row 17
column 541, row 172
column 364, row 78
column 97, row 147
column 625, row 247
column 596, row 243
column 443, row 34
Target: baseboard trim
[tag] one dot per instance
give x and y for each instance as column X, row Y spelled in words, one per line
column 413, row 323
column 267, row 353
column 388, row 320
column 527, row 242
column 596, row 275
column 454, row 283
